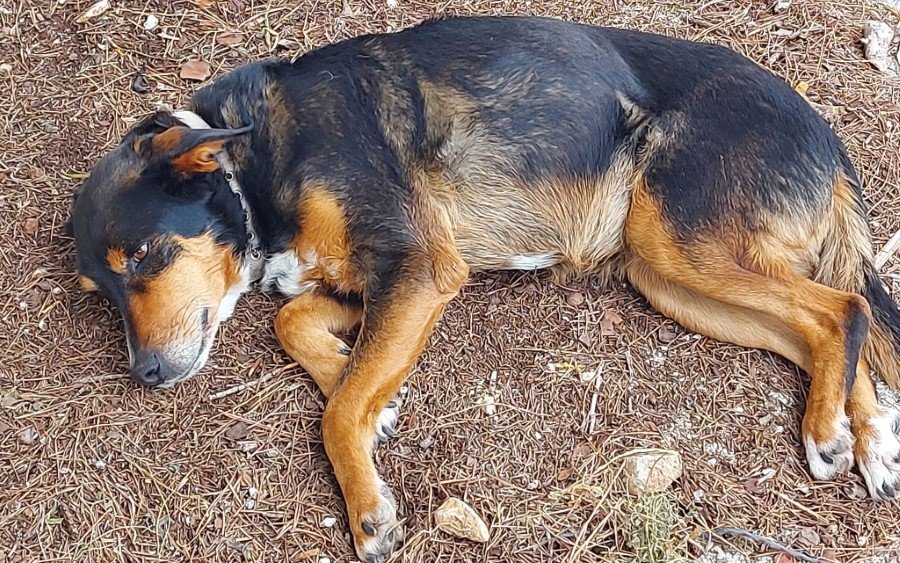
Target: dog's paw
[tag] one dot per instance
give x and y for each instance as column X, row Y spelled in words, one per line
column 386, row 423
column 878, row 455
column 381, row 531
column 832, row 456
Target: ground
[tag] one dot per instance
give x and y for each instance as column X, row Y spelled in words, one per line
column 94, row 469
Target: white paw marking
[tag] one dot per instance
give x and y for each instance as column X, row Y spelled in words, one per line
column 381, row 528
column 880, row 465
column 828, row 460
column 386, row 423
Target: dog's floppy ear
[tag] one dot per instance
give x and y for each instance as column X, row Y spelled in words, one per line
column 193, row 151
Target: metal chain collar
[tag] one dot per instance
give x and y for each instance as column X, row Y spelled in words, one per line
column 253, row 253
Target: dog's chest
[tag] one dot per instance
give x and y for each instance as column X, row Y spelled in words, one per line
column 298, row 270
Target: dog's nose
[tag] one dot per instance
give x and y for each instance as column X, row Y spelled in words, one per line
column 147, row 369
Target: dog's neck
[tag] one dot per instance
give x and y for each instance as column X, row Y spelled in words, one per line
column 253, row 257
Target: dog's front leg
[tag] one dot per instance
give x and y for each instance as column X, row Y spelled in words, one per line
column 396, row 325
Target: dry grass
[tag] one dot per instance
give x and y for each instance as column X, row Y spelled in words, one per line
column 94, row 469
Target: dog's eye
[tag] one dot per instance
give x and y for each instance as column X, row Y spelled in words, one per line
column 141, row 252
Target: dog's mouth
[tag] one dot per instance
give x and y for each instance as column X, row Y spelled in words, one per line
column 206, row 340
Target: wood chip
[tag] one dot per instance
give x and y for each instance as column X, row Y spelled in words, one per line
column 195, row 70
column 459, row 519
column 238, row 431
column 96, row 9
column 229, row 38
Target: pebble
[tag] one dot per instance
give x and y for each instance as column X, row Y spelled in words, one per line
column 651, row 472
column 459, row 519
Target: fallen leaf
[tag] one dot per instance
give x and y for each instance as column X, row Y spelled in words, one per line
column 308, row 554
column 857, row 492
column 802, row 87
column 755, row 486
column 96, row 9
column 459, row 519
column 28, row 436
column 30, row 226
column 784, row 558
column 138, row 83
column 564, row 474
column 237, row 432
column 808, row 538
column 667, row 335
column 877, row 40
column 195, row 70
column 608, row 323
column 229, row 38
column 582, row 450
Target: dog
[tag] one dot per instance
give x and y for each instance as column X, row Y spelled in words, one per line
column 368, row 178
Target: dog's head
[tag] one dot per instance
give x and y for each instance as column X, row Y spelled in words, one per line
column 159, row 232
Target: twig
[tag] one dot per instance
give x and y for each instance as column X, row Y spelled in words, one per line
column 251, row 384
column 771, row 544
column 887, row 251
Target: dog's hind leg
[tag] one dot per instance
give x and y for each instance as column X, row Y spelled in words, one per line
column 398, row 319
column 819, row 328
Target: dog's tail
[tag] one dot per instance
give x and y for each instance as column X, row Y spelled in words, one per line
column 847, row 263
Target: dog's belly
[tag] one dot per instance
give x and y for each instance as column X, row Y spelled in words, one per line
column 573, row 227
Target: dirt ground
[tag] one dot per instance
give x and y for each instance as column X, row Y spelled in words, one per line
column 94, row 469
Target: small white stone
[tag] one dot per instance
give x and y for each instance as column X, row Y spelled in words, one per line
column 588, row 376
column 328, row 522
column 151, row 22
column 392, row 3
column 323, row 559
column 489, row 404
column 100, row 464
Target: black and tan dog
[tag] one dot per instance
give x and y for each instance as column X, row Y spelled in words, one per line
column 369, row 177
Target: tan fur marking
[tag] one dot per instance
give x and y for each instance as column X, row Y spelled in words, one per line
column 116, row 260
column 168, row 139
column 200, row 159
column 306, row 328
column 165, row 311
column 87, row 284
column 323, row 241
